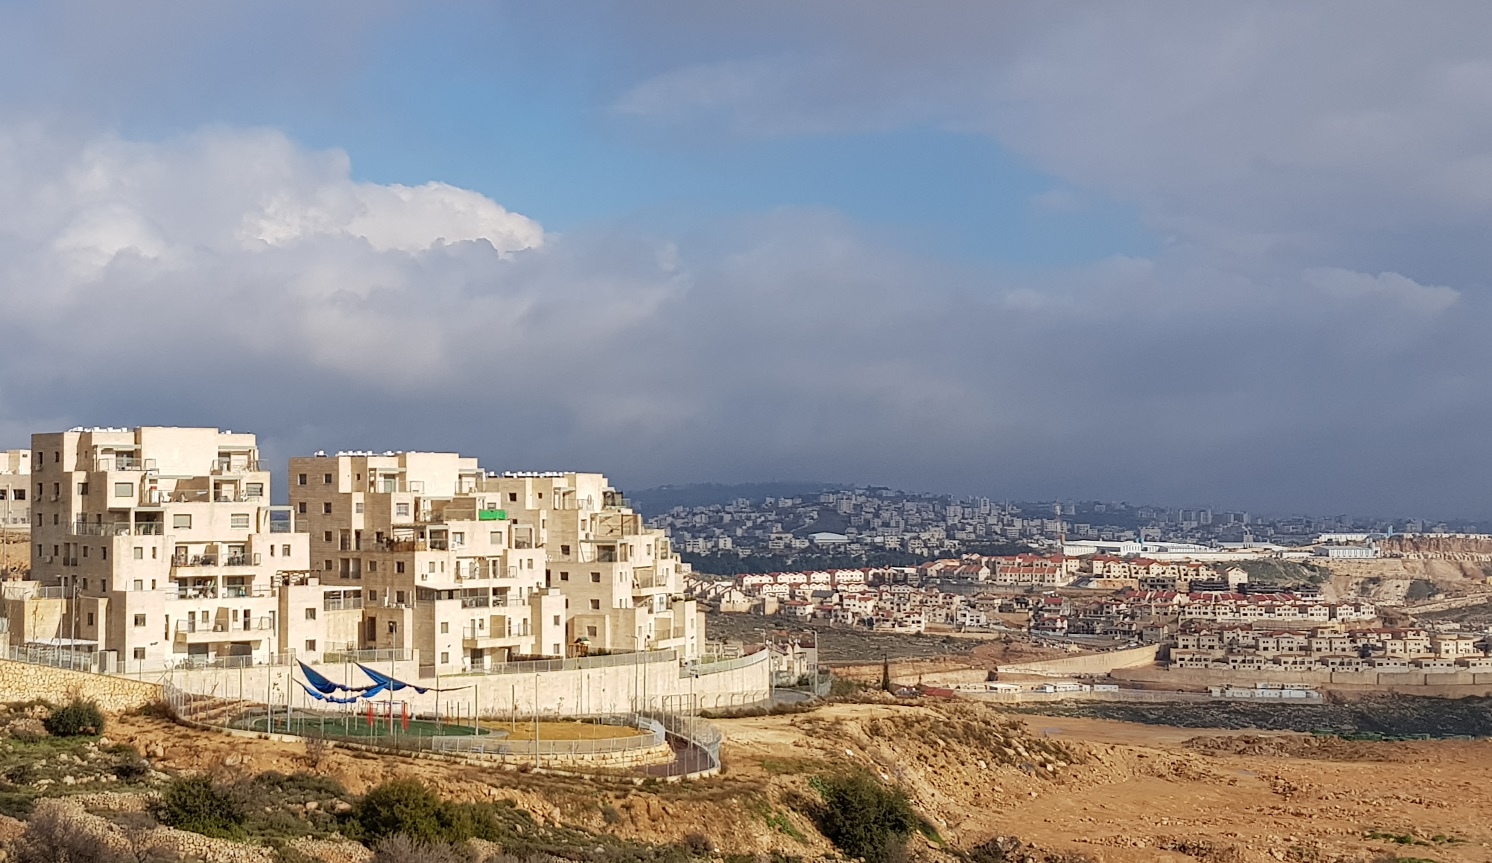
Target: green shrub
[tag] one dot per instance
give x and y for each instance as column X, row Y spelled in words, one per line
column 75, row 719
column 199, row 805
column 400, row 806
column 862, row 817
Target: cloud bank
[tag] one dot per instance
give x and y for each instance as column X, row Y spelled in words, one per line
column 1308, row 336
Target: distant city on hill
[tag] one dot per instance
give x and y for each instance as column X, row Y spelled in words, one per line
column 729, row 529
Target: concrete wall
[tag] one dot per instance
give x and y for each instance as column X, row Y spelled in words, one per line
column 658, row 684
column 21, row 681
column 1417, row 682
column 1093, row 663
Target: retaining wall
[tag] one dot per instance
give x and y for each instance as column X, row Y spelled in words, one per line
column 1092, row 663
column 1410, row 682
column 22, row 681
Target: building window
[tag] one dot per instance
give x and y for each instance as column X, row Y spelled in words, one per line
column 310, row 645
column 595, row 578
column 393, row 627
column 310, row 613
column 556, row 620
column 301, row 507
column 82, row 489
column 18, row 494
column 595, row 605
column 327, row 565
column 254, row 489
column 432, row 566
column 372, row 596
column 564, row 549
column 399, row 566
column 445, row 657
column 326, row 508
column 181, row 521
column 326, row 479
column 591, row 631
column 90, row 618
column 445, row 628
column 372, row 566
column 139, row 653
column 458, row 539
column 326, row 536
column 300, row 479
column 399, row 598
column 284, row 551
column 238, row 521
column 139, row 620
column 103, row 552
column 495, row 537
column 564, row 576
column 358, row 507
column 139, row 584
column 512, row 497
column 401, row 509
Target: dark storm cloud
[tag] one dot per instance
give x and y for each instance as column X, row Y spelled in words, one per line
column 1309, row 337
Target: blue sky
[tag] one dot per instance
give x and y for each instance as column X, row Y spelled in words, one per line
column 1148, row 252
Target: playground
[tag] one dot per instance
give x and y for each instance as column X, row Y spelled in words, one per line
column 360, row 727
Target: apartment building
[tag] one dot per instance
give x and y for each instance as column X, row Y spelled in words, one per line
column 15, row 483
column 472, row 568
column 160, row 546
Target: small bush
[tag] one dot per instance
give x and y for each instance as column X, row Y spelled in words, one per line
column 199, row 805
column 699, row 845
column 52, row 837
column 862, row 817
column 77, row 718
column 399, row 848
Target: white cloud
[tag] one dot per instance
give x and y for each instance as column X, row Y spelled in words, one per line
column 391, row 217
column 1384, row 287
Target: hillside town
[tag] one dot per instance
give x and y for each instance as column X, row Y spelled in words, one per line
column 863, row 521
column 1205, row 614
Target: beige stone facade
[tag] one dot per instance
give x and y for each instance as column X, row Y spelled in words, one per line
column 163, row 550
column 472, row 568
column 15, row 511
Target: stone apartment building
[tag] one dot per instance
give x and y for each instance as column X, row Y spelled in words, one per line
column 15, row 509
column 15, row 484
column 472, row 568
column 160, row 546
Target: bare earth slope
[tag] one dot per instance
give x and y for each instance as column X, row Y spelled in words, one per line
column 1066, row 789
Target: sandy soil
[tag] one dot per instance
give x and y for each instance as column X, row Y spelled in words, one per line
column 1107, row 792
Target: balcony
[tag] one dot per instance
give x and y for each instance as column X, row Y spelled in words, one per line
column 253, row 629
column 181, row 560
column 486, row 639
column 235, row 465
column 341, row 603
column 118, row 528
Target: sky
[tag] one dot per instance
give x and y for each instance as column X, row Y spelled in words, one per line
column 1200, row 254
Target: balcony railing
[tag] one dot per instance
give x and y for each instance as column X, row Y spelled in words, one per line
column 215, row 560
column 117, row 529
column 472, row 632
column 235, row 465
column 253, row 624
column 239, row 591
column 341, row 603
